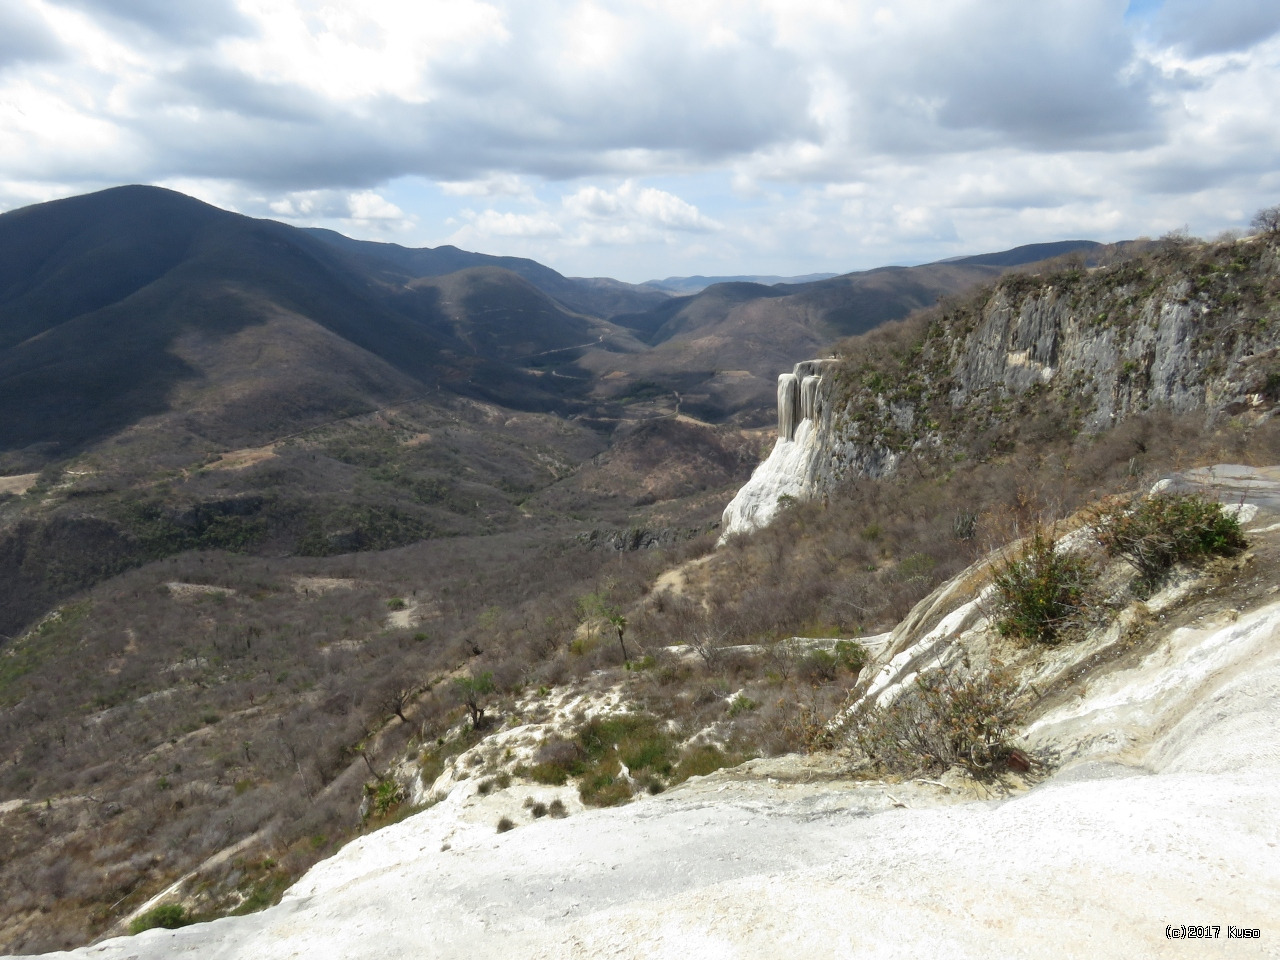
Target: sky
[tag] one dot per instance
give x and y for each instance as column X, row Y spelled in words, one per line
column 641, row 139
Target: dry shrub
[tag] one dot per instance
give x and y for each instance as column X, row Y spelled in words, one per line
column 946, row 719
column 1154, row 533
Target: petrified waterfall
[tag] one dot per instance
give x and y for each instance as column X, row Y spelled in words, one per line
column 800, row 396
column 788, row 408
column 809, row 397
column 791, row 472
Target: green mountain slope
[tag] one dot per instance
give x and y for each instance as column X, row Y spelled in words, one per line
column 138, row 302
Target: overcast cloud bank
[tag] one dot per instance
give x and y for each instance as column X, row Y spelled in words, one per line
column 642, row 139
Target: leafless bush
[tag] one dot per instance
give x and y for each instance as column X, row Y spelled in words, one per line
column 947, row 718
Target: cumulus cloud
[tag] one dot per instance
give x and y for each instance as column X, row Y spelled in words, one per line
column 575, row 125
column 648, row 206
column 317, row 207
column 627, row 214
column 492, row 223
column 1204, row 27
column 25, row 36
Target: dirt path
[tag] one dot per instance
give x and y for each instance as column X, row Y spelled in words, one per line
column 18, row 483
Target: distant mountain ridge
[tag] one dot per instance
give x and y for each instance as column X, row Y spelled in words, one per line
column 1028, row 253
column 139, row 304
column 598, row 296
column 128, row 303
column 683, row 286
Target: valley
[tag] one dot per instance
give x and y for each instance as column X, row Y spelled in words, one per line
column 314, row 550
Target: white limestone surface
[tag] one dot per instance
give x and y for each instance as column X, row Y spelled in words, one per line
column 1096, row 862
column 787, row 472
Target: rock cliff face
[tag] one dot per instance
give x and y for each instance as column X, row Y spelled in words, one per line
column 1188, row 328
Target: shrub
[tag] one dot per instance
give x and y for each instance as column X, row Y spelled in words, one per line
column 557, row 809
column 1042, row 592
column 170, row 916
column 819, row 666
column 1154, row 533
column 701, row 760
column 1267, row 220
column 384, row 797
column 593, row 756
column 639, row 741
column 505, row 824
column 946, row 719
column 606, row 788
column 852, row 655
column 557, row 761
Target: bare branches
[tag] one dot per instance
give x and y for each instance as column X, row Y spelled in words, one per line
column 1267, row 220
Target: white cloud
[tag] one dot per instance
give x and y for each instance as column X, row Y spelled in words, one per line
column 362, row 208
column 626, row 215
column 491, row 223
column 646, row 206
column 494, row 185
column 843, row 132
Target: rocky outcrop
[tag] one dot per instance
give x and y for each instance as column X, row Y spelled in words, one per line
column 1189, row 328
column 801, row 460
column 639, row 538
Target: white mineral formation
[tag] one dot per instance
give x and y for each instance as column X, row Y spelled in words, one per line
column 787, row 406
column 800, row 455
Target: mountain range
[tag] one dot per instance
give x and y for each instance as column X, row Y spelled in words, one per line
column 141, row 304
column 297, row 531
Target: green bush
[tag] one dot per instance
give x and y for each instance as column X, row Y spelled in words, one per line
column 1042, row 593
column 1156, row 532
column 170, row 916
column 384, row 797
column 946, row 719
column 605, row 788
column 701, row 760
column 819, row 666
column 852, row 655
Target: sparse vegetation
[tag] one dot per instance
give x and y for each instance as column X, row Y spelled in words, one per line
column 170, row 916
column 1267, row 220
column 603, row 745
column 948, row 718
column 1153, row 533
column 1042, row 591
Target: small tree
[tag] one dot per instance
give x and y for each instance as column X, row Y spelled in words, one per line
column 470, row 691
column 620, row 624
column 591, row 608
column 396, row 700
column 1267, row 220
